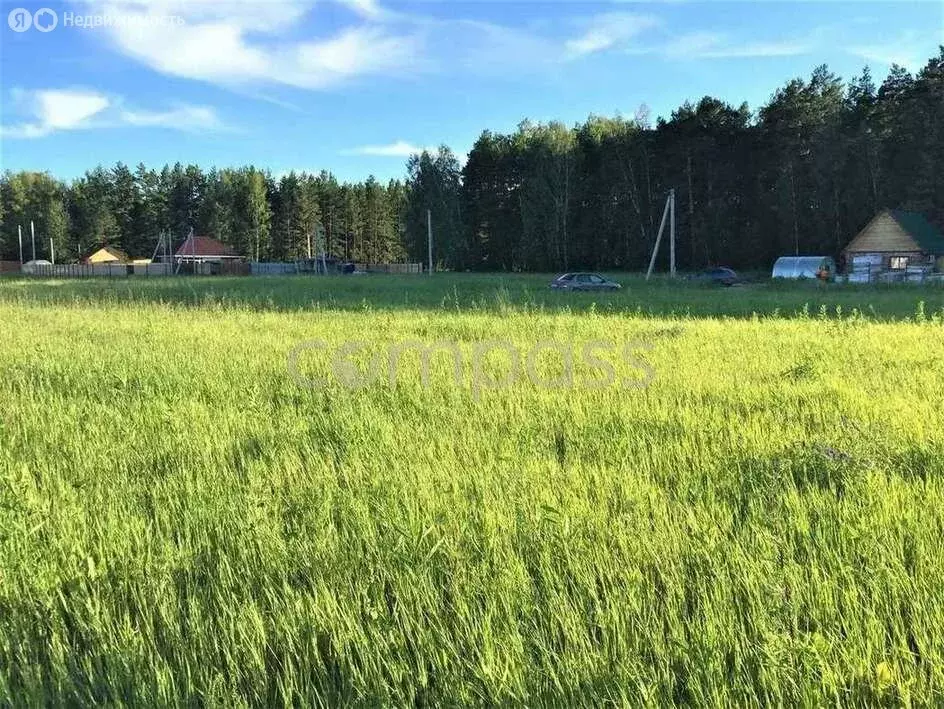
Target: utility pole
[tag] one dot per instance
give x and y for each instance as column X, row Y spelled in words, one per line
column 52, row 252
column 33, row 238
column 429, row 238
column 655, row 249
column 324, row 252
column 672, row 233
column 19, row 232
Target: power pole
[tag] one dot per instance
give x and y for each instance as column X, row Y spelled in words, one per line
column 52, row 252
column 19, row 232
column 655, row 249
column 672, row 233
column 429, row 238
column 33, row 238
column 324, row 252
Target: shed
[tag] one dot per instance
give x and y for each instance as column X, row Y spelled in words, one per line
column 107, row 254
column 823, row 267
column 895, row 240
column 204, row 249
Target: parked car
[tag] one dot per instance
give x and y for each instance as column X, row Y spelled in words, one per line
column 583, row 282
column 720, row 275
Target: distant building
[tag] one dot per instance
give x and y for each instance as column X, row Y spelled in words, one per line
column 895, row 241
column 107, row 254
column 204, row 249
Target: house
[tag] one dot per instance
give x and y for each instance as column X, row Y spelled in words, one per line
column 204, row 249
column 896, row 241
column 107, row 255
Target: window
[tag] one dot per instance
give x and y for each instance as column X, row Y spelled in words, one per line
column 898, row 263
column 596, row 279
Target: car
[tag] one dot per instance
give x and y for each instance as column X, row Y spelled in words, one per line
column 584, row 282
column 721, row 275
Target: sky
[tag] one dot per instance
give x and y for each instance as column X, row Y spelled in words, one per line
column 355, row 86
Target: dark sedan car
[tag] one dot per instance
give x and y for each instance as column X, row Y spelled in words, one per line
column 583, row 282
column 720, row 275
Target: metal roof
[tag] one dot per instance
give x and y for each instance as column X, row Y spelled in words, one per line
column 920, row 229
column 204, row 246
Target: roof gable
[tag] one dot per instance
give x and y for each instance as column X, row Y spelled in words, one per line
column 882, row 234
column 111, row 251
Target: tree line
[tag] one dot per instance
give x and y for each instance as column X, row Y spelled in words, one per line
column 263, row 217
column 801, row 175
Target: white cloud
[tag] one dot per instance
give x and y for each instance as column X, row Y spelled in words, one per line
column 52, row 110
column 253, row 47
column 711, row 45
column 901, row 51
column 366, row 8
column 398, row 149
column 361, row 50
column 47, row 111
column 493, row 50
column 240, row 43
column 185, row 117
column 607, row 31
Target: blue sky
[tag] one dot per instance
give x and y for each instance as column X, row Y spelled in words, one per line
column 353, row 86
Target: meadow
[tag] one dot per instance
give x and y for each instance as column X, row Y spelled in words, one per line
column 183, row 522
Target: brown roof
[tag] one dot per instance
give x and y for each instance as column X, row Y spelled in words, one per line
column 204, row 246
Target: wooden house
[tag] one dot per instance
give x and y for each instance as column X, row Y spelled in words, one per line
column 896, row 240
column 107, row 255
column 204, row 249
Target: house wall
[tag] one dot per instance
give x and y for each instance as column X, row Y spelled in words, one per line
column 882, row 260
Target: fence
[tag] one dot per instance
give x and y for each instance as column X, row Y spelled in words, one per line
column 210, row 268
column 869, row 273
column 272, row 268
column 278, row 268
column 145, row 270
column 81, row 270
column 227, row 267
column 390, row 267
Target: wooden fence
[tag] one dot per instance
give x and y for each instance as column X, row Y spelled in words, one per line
column 390, row 267
column 222, row 268
column 272, row 268
column 111, row 270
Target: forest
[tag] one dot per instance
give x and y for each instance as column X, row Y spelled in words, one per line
column 799, row 175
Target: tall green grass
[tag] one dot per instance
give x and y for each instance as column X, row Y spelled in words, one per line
column 660, row 297
column 182, row 524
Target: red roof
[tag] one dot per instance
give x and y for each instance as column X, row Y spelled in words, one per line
column 205, row 246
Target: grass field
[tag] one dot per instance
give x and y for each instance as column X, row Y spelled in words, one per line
column 182, row 523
